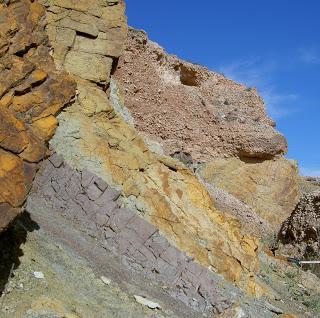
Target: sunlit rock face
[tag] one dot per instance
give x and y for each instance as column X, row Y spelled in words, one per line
column 32, row 92
column 185, row 107
column 270, row 187
column 300, row 235
column 93, row 136
column 114, row 198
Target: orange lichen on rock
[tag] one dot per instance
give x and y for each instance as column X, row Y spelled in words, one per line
column 32, row 92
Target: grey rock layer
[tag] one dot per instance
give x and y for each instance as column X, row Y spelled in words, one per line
column 88, row 201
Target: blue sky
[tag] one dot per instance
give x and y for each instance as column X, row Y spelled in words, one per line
column 272, row 45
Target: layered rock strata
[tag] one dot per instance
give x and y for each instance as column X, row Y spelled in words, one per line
column 270, row 187
column 84, row 205
column 185, row 107
column 146, row 209
column 198, row 116
column 89, row 202
column 92, row 136
column 251, row 222
column 32, row 92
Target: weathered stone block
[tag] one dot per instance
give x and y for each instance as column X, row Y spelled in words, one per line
column 56, row 160
column 270, row 187
column 89, row 29
column 92, row 67
column 120, row 219
column 86, row 178
column 93, row 192
column 108, row 196
column 143, row 228
column 107, row 46
column 65, row 36
column 171, row 255
column 101, row 184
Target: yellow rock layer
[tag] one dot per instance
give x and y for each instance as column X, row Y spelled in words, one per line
column 271, row 187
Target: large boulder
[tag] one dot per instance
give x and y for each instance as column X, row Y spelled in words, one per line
column 270, row 187
column 185, row 107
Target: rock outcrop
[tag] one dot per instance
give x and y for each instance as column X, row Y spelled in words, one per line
column 126, row 203
column 92, row 136
column 300, row 233
column 251, row 222
column 187, row 108
column 270, row 187
column 32, row 92
column 198, row 116
column 86, row 200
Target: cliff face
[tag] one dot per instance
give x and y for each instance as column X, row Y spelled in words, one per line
column 92, row 136
column 104, row 200
column 187, row 108
column 200, row 116
column 32, row 92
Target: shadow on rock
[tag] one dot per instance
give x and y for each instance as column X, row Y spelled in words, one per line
column 10, row 246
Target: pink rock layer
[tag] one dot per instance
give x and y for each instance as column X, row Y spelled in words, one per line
column 187, row 108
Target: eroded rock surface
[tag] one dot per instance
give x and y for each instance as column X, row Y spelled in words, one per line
column 87, row 36
column 93, row 137
column 32, row 92
column 70, row 244
column 89, row 202
column 300, row 233
column 105, row 202
column 270, row 187
column 185, row 107
column 251, row 222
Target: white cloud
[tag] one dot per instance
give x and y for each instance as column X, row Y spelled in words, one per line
column 275, row 103
column 258, row 73
column 309, row 56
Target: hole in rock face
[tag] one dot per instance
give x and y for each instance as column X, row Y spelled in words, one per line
column 188, row 76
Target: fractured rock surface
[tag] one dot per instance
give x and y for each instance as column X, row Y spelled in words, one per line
column 130, row 251
column 251, row 222
column 185, row 107
column 93, row 137
column 137, row 217
column 91, row 204
column 86, row 36
column 270, row 187
column 32, row 92
column 300, row 233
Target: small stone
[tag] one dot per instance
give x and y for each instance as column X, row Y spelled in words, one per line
column 38, row 275
column 145, row 302
column 274, row 309
column 105, row 280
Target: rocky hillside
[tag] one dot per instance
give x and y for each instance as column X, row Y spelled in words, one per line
column 187, row 108
column 198, row 116
column 148, row 185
